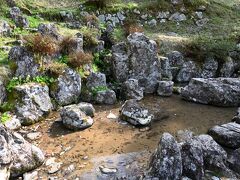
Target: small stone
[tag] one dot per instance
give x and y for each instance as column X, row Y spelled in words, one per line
column 30, row 176
column 106, row 170
column 34, row 135
column 112, row 116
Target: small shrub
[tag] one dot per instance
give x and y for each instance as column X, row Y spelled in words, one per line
column 131, row 26
column 66, row 44
column 97, row 89
column 79, row 59
column 91, row 20
column 100, row 4
column 89, row 36
column 56, row 68
column 5, row 117
column 6, row 106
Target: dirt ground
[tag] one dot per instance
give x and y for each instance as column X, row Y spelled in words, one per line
column 113, row 137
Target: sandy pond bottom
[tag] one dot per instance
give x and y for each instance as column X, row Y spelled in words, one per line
column 113, row 143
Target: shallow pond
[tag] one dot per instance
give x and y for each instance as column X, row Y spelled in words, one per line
column 117, row 144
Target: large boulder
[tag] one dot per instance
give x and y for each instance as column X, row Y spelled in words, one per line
column 17, row 154
column 192, row 159
column 215, row 157
column 87, row 108
column 176, row 58
column 18, row 18
column 131, row 90
column 32, row 103
column 74, row 118
column 165, row 88
column 67, row 88
column 210, row 68
column 105, row 97
column 137, row 59
column 23, row 62
column 95, row 80
column 227, row 135
column 234, row 160
column 219, row 91
column 49, row 30
column 188, row 71
column 166, row 162
column 134, row 113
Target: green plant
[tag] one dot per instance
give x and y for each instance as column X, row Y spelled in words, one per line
column 5, row 117
column 89, row 36
column 97, row 89
column 15, row 81
column 98, row 60
column 55, row 68
column 63, row 59
column 6, row 106
column 118, row 34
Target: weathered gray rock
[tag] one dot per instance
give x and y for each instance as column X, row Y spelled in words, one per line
column 192, row 159
column 75, row 44
column 215, row 157
column 67, row 88
column 87, row 108
column 32, row 103
column 218, row 91
column 66, row 15
column 234, row 160
column 210, row 68
column 16, row 153
column 165, row 88
column 5, row 29
column 49, row 30
column 237, row 117
column 137, row 59
column 178, row 17
column 18, row 18
column 135, row 114
column 105, row 97
column 166, row 68
column 131, row 90
column 95, row 80
column 13, row 123
column 228, row 68
column 3, row 93
column 24, row 61
column 188, row 71
column 74, row 118
column 176, row 58
column 227, row 135
column 166, row 162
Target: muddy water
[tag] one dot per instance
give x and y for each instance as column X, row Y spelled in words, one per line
column 112, row 141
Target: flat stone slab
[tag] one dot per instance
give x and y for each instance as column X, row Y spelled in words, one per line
column 227, row 134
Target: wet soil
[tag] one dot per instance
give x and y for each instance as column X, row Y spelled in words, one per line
column 113, row 139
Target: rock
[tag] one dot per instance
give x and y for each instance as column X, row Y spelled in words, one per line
column 202, row 22
column 32, row 103
column 237, row 117
column 13, row 123
column 18, row 154
column 187, row 72
column 184, row 136
column 234, row 160
column 163, row 15
column 133, row 113
column 218, row 91
column 199, row 14
column 111, row 116
column 67, row 88
column 228, row 68
column 5, row 29
column 34, row 135
column 192, row 159
column 131, row 90
column 49, row 30
column 3, row 93
column 227, row 135
column 210, row 68
column 52, row 165
column 176, row 2
column 165, row 88
column 87, row 108
column 106, row 170
column 18, row 18
column 75, row 44
column 137, row 59
column 166, row 162
column 24, row 61
column 105, row 97
column 178, row 17
column 30, row 175
column 152, row 23
column 96, row 80
column 214, row 156
column 66, row 15
column 166, row 69
column 74, row 118
column 176, row 58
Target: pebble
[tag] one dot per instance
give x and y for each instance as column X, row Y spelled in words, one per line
column 106, row 170
column 31, row 175
column 34, row 135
